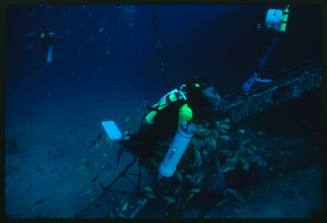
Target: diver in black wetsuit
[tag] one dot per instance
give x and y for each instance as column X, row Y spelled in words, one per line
column 46, row 38
column 275, row 25
column 175, row 116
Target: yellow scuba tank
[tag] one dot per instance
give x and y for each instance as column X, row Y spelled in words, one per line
column 284, row 20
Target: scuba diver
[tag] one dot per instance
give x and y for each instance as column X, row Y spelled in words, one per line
column 275, row 25
column 46, row 38
column 175, row 115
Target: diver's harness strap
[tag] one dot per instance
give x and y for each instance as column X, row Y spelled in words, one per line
column 179, row 93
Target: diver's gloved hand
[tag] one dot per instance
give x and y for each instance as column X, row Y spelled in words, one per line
column 253, row 78
column 126, row 136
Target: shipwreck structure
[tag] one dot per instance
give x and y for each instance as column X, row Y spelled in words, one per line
column 300, row 80
column 218, row 157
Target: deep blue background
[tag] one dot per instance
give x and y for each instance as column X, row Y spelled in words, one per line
column 218, row 42
column 113, row 74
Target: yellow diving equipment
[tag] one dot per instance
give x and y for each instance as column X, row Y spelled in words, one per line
column 284, row 20
column 185, row 114
column 164, row 101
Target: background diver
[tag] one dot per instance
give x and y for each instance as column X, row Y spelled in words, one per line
column 46, row 38
column 175, row 115
column 275, row 25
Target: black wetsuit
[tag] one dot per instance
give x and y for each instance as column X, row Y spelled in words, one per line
column 146, row 142
column 269, row 39
column 148, row 137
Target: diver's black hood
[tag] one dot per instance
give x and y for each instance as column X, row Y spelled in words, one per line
column 200, row 105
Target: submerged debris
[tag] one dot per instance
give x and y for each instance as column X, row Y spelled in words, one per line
column 39, row 201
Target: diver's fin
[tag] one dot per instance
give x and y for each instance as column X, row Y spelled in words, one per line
column 112, row 130
column 264, row 81
column 248, row 83
column 50, row 54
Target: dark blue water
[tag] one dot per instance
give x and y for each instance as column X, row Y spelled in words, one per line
column 106, row 66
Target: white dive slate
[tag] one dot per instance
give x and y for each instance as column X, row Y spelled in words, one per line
column 112, row 130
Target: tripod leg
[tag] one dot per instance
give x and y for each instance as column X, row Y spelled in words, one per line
column 139, row 176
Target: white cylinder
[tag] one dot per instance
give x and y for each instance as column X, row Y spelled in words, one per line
column 175, row 152
column 274, row 18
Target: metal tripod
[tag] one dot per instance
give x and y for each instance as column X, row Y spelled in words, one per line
column 106, row 190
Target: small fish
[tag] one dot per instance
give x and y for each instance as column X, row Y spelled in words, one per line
column 95, row 178
column 151, row 195
column 100, row 100
column 213, row 144
column 179, row 176
column 195, row 190
column 199, row 179
column 225, row 152
column 225, row 126
column 101, row 29
column 121, row 215
column 178, row 190
column 125, row 206
column 228, row 169
column 170, row 200
column 226, row 120
column 147, row 189
column 225, row 137
column 189, row 197
column 242, row 131
column 39, row 201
